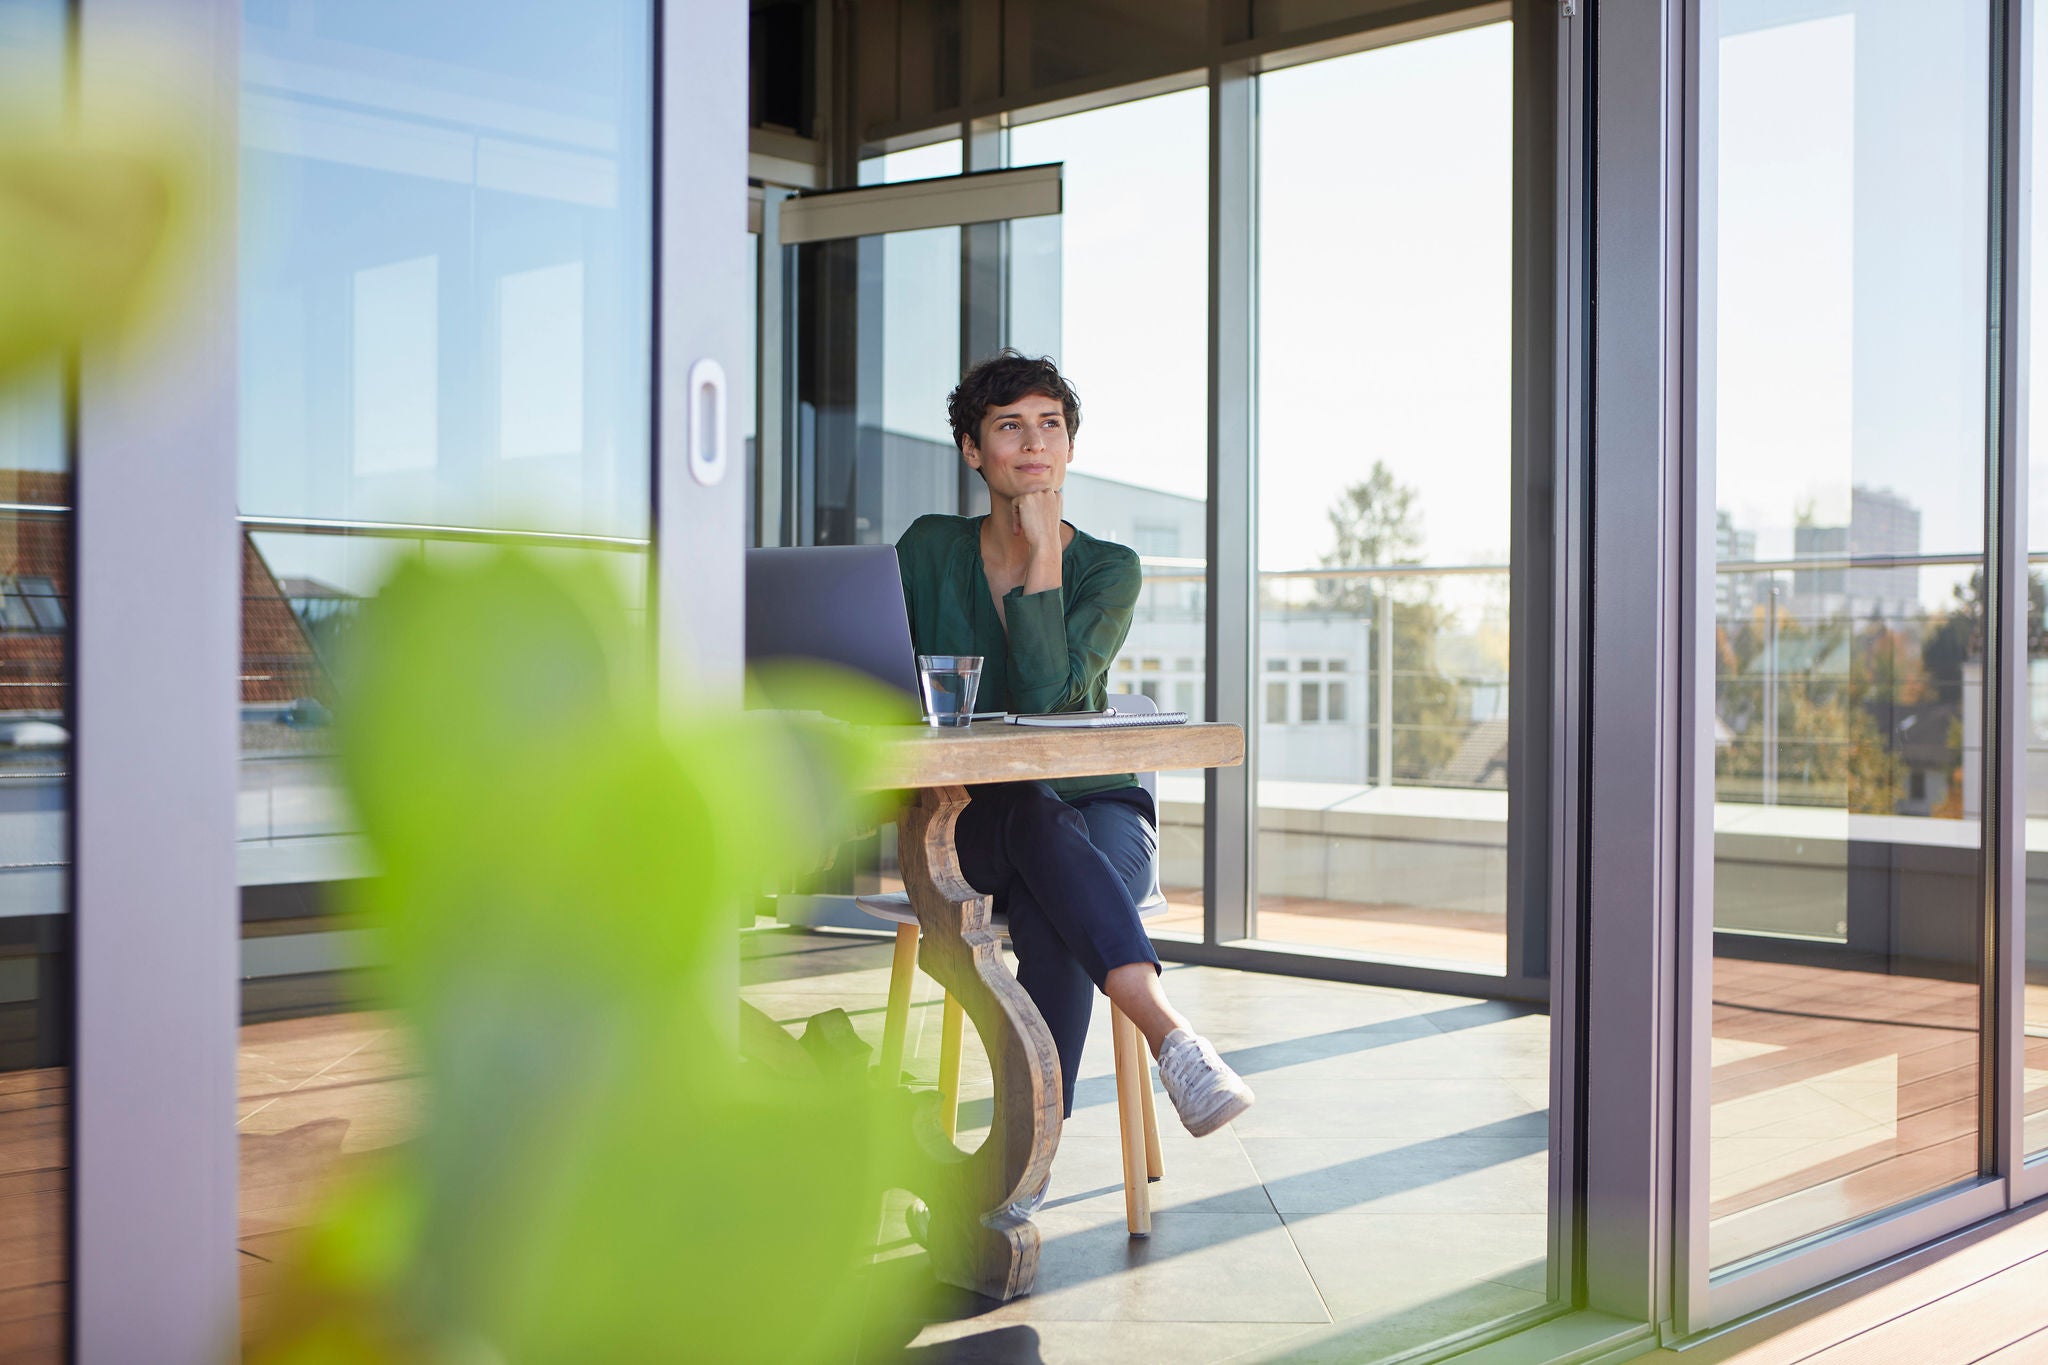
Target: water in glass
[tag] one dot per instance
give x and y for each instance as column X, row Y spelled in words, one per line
column 949, row 682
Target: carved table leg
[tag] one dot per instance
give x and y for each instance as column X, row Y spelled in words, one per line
column 976, row 1241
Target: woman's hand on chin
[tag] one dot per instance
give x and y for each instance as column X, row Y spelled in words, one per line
column 1036, row 517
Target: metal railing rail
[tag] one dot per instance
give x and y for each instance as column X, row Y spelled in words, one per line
column 400, row 530
column 1161, row 570
column 1380, row 676
column 1180, row 570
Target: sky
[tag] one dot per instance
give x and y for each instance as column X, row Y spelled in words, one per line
column 1851, row 271
column 1385, row 195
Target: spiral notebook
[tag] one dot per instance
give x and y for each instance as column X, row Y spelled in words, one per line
column 1097, row 720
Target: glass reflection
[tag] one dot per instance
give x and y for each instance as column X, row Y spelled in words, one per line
column 1849, row 730
column 1384, row 486
column 444, row 265
column 444, row 283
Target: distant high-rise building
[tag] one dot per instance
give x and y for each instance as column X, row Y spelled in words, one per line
column 1881, row 524
column 1734, row 593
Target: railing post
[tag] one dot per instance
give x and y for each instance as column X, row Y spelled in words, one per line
column 1771, row 695
column 1383, row 775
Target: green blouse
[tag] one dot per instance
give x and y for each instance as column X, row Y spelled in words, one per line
column 1056, row 653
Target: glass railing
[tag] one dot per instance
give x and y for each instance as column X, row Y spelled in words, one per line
column 1848, row 750
column 304, row 581
column 1383, row 733
column 1406, row 662
column 1381, row 710
column 1837, row 687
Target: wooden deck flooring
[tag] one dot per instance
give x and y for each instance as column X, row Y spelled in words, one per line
column 309, row 1091
column 1978, row 1299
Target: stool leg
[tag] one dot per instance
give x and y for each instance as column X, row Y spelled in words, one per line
column 949, row 1067
column 1130, row 1122
column 896, row 1020
column 1154, row 1168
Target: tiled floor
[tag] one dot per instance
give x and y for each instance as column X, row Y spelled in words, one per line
column 1392, row 1177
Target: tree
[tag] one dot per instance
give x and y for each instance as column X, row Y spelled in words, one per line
column 1376, row 522
column 1959, row 635
column 1837, row 691
column 1845, row 693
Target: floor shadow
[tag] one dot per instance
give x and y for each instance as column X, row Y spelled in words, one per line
column 913, row 1299
column 1012, row 1345
column 1305, row 1050
column 770, row 955
column 1403, row 1172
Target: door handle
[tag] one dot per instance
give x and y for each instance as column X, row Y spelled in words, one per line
column 704, row 439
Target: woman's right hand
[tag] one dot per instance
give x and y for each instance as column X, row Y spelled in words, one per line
column 1037, row 518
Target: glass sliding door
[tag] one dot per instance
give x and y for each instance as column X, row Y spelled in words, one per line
column 1126, row 317
column 1848, row 490
column 446, row 291
column 1385, row 486
column 2034, row 706
column 36, row 722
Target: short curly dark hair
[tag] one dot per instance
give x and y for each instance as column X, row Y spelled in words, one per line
column 1004, row 378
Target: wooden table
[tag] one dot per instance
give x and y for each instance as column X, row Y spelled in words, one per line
column 977, row 1241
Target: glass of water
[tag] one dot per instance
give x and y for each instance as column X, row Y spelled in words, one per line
column 949, row 682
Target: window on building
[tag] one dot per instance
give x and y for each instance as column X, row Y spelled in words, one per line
column 1154, row 538
column 40, row 594
column 14, row 613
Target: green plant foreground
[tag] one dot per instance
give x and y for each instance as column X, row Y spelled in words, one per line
column 95, row 231
column 598, row 1175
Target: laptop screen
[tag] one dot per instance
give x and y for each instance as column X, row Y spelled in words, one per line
column 831, row 604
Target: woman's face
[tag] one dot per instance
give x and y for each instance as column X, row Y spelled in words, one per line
column 1024, row 446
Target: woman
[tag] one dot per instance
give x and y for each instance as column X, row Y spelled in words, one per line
column 1047, row 607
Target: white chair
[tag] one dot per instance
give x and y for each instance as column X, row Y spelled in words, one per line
column 1137, row 1121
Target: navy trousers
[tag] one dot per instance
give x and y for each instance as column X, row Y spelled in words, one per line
column 1068, row 875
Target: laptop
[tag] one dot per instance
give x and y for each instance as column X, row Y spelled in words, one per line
column 833, row 604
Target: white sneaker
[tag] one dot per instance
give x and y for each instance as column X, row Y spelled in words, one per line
column 1205, row 1092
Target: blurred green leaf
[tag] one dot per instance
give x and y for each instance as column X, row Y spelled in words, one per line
column 598, row 1175
column 94, row 231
